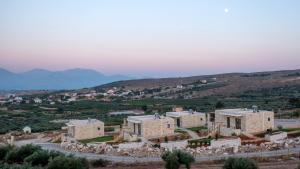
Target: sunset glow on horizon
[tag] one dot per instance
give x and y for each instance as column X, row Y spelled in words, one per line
column 150, row 38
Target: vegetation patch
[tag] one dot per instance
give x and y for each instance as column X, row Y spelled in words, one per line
column 98, row 139
column 199, row 142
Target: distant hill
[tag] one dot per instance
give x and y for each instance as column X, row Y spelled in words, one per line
column 219, row 85
column 40, row 79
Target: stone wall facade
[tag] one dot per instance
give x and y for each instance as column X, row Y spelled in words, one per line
column 192, row 120
column 158, row 127
column 87, row 131
column 151, row 128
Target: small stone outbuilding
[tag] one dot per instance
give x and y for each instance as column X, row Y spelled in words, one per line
column 85, row 129
column 187, row 119
column 148, row 126
column 230, row 122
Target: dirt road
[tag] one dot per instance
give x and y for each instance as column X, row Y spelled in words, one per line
column 290, row 164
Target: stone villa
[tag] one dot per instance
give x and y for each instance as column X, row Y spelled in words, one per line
column 229, row 122
column 148, row 126
column 85, row 129
column 187, row 119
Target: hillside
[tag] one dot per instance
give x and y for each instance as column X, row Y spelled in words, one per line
column 210, row 85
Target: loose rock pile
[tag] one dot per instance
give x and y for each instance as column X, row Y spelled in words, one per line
column 100, row 148
column 147, row 150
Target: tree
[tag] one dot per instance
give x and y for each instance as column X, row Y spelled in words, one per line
column 176, row 158
column 219, row 105
column 240, row 163
column 185, row 158
column 17, row 155
column 298, row 166
column 63, row 162
column 38, row 158
column 3, row 151
column 171, row 159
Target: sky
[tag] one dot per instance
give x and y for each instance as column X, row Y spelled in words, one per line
column 158, row 38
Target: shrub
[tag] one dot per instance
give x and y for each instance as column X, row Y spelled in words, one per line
column 176, row 158
column 185, row 158
column 99, row 163
column 17, row 166
column 18, row 155
column 38, row 158
column 172, row 161
column 298, row 166
column 53, row 154
column 240, row 163
column 3, row 151
column 63, row 162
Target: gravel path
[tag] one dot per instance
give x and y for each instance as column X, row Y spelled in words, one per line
column 193, row 134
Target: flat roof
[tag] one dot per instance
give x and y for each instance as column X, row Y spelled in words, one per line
column 83, row 122
column 237, row 112
column 181, row 113
column 140, row 119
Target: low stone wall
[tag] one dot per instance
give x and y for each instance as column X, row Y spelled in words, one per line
column 125, row 146
column 232, row 142
column 276, row 136
column 174, row 145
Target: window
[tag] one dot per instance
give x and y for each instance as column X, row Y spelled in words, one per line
column 99, row 128
column 201, row 119
column 228, row 122
column 269, row 119
column 169, row 125
column 238, row 123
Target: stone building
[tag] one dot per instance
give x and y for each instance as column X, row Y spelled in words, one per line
column 187, row 119
column 148, row 126
column 230, row 122
column 85, row 129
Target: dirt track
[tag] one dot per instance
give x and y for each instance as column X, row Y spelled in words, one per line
column 290, row 164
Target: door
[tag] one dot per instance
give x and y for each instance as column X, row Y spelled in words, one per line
column 178, row 122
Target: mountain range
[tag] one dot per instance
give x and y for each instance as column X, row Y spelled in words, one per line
column 40, row 79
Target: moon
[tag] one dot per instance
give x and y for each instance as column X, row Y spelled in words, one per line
column 226, row 10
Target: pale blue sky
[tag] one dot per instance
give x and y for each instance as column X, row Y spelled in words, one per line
column 150, row 38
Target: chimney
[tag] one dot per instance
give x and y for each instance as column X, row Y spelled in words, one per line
column 156, row 116
column 255, row 109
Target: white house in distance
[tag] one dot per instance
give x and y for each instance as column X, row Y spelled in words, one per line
column 148, row 126
column 27, row 130
column 37, row 100
column 241, row 121
column 85, row 129
column 187, row 119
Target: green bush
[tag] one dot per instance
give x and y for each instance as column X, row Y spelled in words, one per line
column 53, row 154
column 17, row 166
column 17, row 155
column 38, row 158
column 171, row 159
column 240, row 163
column 176, row 158
column 298, row 166
column 63, row 162
column 185, row 158
column 3, row 151
column 99, row 163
